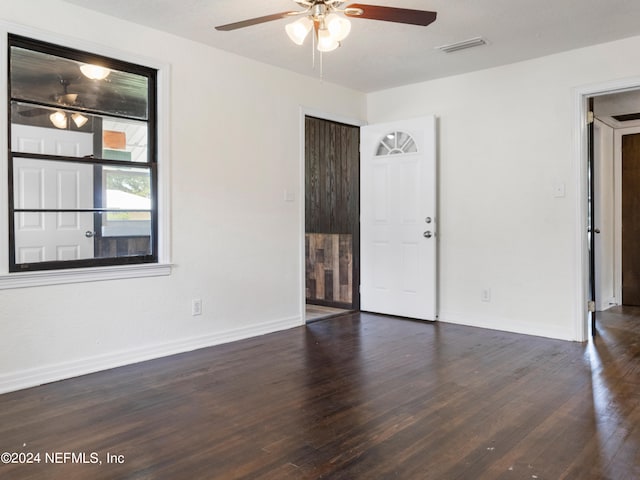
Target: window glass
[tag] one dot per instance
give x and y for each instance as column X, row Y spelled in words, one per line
column 57, row 131
column 395, row 143
column 62, row 237
column 82, row 159
column 56, row 81
column 52, row 185
column 124, row 140
column 50, row 236
column 127, row 198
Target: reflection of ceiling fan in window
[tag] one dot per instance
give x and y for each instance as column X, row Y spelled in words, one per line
column 65, row 98
column 60, row 118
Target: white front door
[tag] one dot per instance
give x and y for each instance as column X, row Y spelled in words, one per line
column 38, row 184
column 398, row 249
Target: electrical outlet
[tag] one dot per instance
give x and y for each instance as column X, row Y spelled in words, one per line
column 196, row 307
column 558, row 190
column 485, row 295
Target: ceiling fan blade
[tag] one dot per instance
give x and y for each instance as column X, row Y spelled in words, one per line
column 255, row 21
column 32, row 112
column 392, row 14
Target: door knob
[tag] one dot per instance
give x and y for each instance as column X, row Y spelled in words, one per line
column 427, row 234
column 89, row 234
column 597, row 230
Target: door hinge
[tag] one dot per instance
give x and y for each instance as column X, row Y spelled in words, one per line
column 591, row 306
column 590, row 118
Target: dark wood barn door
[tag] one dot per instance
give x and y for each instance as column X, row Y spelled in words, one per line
column 332, row 214
column 631, row 219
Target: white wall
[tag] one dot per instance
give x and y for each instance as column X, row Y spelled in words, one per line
column 235, row 133
column 507, row 138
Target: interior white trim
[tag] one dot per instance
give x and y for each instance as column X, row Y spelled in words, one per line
column 50, row 373
column 618, row 133
column 4, row 141
column 78, row 275
column 493, row 322
column 163, row 267
column 580, row 99
column 304, row 111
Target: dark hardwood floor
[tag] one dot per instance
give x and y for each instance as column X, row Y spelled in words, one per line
column 354, row 397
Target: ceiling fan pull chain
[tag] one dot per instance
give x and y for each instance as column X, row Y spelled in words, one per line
column 313, row 53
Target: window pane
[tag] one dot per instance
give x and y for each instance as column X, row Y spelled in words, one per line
column 59, row 131
column 123, row 246
column 128, row 190
column 124, row 140
column 48, row 185
column 60, row 82
column 126, row 224
column 44, row 184
column 40, row 136
column 49, row 236
column 395, row 143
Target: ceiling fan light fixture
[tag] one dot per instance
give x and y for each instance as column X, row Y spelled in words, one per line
column 79, row 119
column 299, row 30
column 94, row 72
column 67, row 98
column 338, row 26
column 326, row 42
column 59, row 119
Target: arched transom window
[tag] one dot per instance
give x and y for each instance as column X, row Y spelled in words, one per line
column 395, row 143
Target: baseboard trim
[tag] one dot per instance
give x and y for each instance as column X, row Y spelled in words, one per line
column 52, row 373
column 507, row 325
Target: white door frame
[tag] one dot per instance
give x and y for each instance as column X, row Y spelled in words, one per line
column 618, row 133
column 311, row 112
column 580, row 172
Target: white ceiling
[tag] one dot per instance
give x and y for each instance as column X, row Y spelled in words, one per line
column 379, row 55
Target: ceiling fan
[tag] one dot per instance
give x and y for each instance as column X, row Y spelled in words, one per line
column 329, row 27
column 59, row 118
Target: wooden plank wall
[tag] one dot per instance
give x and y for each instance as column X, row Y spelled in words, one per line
column 329, row 268
column 332, row 178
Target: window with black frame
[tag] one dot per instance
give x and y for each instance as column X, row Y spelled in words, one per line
column 82, row 159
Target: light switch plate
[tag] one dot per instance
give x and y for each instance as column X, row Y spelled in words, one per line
column 559, row 190
column 289, row 196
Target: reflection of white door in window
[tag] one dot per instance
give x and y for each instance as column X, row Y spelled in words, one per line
column 41, row 184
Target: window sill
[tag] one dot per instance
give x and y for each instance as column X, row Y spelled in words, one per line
column 80, row 275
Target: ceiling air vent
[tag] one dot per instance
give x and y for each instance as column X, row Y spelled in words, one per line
column 627, row 118
column 454, row 47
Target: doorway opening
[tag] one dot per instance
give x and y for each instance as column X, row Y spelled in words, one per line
column 614, row 200
column 332, row 218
